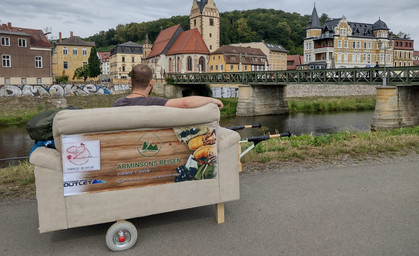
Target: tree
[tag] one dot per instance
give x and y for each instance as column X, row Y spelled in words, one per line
column 81, row 72
column 93, row 66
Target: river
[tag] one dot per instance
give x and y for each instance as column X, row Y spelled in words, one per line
column 15, row 142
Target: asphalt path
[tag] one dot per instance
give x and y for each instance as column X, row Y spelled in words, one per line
column 363, row 210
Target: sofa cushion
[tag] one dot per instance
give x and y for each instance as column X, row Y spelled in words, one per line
column 96, row 120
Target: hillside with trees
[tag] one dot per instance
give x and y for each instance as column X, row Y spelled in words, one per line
column 273, row 26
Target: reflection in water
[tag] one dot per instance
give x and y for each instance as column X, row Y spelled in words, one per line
column 15, row 141
column 302, row 123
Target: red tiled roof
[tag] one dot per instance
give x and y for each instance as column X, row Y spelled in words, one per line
column 38, row 39
column 189, row 42
column 228, row 49
column 296, row 60
column 163, row 39
column 104, row 56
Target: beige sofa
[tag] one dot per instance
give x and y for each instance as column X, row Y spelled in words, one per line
column 57, row 211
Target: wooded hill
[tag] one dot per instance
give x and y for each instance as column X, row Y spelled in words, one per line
column 273, row 26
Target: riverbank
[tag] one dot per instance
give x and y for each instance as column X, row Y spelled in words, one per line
column 295, row 153
column 19, row 110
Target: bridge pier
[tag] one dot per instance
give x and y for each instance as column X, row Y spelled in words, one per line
column 258, row 100
column 396, row 107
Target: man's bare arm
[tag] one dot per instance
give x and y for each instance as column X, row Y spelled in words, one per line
column 192, row 102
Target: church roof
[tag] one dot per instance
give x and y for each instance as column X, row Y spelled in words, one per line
column 202, row 4
column 189, row 42
column 165, row 40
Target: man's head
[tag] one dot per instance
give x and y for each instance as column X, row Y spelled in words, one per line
column 141, row 76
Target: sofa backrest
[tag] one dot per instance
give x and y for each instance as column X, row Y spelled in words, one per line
column 69, row 122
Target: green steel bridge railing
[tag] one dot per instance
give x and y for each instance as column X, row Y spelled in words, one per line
column 373, row 76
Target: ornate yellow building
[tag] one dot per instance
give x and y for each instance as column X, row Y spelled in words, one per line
column 236, row 59
column 122, row 58
column 70, row 54
column 342, row 44
column 276, row 54
column 205, row 17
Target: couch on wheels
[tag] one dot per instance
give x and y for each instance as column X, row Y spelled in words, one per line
column 113, row 164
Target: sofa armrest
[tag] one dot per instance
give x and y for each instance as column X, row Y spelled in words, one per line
column 227, row 138
column 46, row 158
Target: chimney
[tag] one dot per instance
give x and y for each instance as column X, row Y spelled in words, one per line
column 9, row 25
column 71, row 33
column 59, row 37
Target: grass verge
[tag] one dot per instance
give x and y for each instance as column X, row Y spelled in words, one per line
column 329, row 104
column 17, row 181
column 338, row 145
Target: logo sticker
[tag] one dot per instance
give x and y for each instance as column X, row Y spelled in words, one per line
column 149, row 145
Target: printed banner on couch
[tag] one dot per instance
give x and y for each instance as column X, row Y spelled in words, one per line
column 122, row 160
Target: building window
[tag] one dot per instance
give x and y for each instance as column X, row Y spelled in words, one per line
column 358, row 45
column 194, row 23
column 74, row 51
column 65, row 51
column 210, row 35
column 39, row 80
column 23, row 81
column 65, row 64
column 38, row 62
column 5, row 41
column 84, row 63
column 221, row 67
column 133, row 59
column 22, row 42
column 353, row 45
column 189, row 64
column 123, row 68
column 6, row 61
column 84, row 51
column 346, row 44
column 211, row 22
column 339, row 44
column 231, row 67
column 7, row 80
column 123, row 58
column 211, row 67
column 210, row 47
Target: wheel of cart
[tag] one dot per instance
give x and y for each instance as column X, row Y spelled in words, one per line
column 121, row 236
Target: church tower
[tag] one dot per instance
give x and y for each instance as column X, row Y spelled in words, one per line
column 146, row 47
column 206, row 18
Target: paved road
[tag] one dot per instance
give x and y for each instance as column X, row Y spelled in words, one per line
column 364, row 210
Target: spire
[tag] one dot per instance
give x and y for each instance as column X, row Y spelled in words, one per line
column 314, row 21
column 201, row 4
column 147, row 41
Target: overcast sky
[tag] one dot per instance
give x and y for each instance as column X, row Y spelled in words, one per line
column 88, row 17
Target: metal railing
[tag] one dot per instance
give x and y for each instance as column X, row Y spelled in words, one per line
column 373, row 76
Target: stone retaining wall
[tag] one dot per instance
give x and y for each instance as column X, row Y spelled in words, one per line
column 329, row 90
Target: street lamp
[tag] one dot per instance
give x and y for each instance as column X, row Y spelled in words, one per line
column 383, row 45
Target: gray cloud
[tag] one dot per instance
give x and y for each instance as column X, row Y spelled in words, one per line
column 86, row 18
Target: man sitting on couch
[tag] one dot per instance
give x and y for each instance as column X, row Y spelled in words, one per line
column 142, row 84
